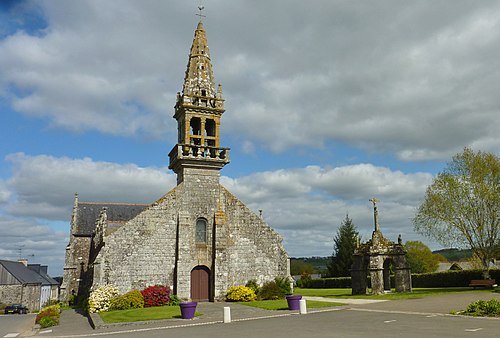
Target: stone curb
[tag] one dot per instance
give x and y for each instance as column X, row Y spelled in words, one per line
column 97, row 323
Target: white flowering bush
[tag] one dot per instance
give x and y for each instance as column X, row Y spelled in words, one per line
column 100, row 298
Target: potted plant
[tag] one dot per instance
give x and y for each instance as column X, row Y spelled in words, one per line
column 293, row 302
column 188, row 309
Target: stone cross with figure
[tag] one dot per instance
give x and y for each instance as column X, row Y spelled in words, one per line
column 375, row 212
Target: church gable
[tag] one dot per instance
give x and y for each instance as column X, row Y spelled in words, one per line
column 141, row 252
column 252, row 249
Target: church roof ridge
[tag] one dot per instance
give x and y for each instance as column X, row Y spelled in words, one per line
column 114, row 203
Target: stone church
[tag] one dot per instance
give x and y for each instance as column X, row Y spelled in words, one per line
column 198, row 238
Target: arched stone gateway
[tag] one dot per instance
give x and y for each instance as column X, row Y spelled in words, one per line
column 200, row 284
column 375, row 259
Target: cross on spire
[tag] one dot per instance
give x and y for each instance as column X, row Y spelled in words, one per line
column 201, row 8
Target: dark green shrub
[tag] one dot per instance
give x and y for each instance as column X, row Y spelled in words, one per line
column 270, row 291
column 490, row 308
column 456, row 278
column 174, row 300
column 327, row 283
column 284, row 285
column 78, row 301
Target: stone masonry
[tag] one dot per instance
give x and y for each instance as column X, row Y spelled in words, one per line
column 198, row 238
column 374, row 258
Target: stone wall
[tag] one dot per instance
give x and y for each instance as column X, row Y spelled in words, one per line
column 158, row 246
column 28, row 295
column 142, row 252
column 247, row 248
column 10, row 293
column 75, row 276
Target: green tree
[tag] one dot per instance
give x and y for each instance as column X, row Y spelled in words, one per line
column 344, row 246
column 420, row 257
column 462, row 205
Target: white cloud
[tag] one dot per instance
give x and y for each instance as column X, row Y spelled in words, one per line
column 310, row 203
column 353, row 182
column 44, row 185
column 39, row 243
column 4, row 192
column 305, row 205
column 410, row 78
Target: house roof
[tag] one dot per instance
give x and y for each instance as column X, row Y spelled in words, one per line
column 21, row 272
column 42, row 271
column 88, row 212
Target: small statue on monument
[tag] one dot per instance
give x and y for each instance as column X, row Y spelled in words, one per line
column 375, row 213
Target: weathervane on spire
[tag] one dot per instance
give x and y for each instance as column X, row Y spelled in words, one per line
column 201, row 8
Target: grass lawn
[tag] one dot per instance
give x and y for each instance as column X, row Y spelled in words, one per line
column 148, row 313
column 169, row 312
column 282, row 304
column 417, row 293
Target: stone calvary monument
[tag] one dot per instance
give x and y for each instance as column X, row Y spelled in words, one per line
column 198, row 238
column 374, row 258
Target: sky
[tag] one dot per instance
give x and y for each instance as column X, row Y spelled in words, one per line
column 328, row 104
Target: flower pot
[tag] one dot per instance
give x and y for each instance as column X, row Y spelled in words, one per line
column 188, row 309
column 293, row 302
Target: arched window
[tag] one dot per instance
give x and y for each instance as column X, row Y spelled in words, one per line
column 201, row 230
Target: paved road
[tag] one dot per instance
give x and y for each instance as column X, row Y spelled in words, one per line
column 427, row 317
column 338, row 323
column 14, row 325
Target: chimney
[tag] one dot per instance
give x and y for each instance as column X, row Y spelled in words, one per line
column 24, row 261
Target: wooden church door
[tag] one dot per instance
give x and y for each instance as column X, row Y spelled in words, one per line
column 200, row 284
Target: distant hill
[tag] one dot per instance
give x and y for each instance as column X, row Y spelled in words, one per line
column 454, row 255
column 319, row 263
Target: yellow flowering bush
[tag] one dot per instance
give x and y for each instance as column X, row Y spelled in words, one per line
column 240, row 294
column 100, row 299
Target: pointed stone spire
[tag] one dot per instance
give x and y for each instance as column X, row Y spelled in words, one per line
column 198, row 111
column 199, row 77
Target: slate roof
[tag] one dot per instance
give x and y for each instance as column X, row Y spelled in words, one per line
column 22, row 273
column 88, row 212
column 42, row 271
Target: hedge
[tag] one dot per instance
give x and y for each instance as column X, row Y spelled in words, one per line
column 327, row 283
column 443, row 279
column 450, row 278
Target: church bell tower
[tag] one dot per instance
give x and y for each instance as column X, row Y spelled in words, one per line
column 198, row 110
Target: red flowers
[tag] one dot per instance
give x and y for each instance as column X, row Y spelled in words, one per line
column 156, row 295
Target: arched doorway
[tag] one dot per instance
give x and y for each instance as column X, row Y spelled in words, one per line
column 388, row 268
column 200, row 284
